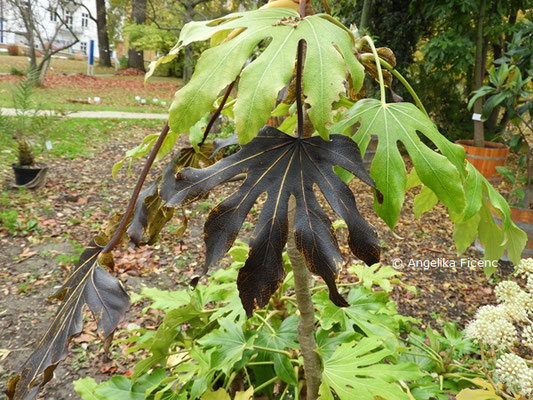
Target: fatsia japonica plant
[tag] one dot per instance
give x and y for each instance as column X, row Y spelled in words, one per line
column 320, row 65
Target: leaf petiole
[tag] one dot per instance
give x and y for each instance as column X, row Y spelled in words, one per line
column 267, row 383
column 406, row 84
column 285, row 353
column 370, row 42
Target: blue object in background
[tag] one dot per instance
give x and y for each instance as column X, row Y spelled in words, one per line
column 91, row 52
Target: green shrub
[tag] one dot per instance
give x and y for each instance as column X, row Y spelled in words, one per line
column 205, row 347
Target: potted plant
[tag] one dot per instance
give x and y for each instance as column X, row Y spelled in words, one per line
column 511, row 91
column 484, row 155
column 26, row 126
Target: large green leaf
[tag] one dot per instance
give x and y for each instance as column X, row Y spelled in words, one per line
column 483, row 202
column 367, row 311
column 330, row 53
column 356, row 371
column 120, row 387
column 281, row 338
column 402, row 122
column 230, row 343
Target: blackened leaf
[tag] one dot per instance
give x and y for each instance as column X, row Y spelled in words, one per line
column 219, row 144
column 149, row 216
column 91, row 285
column 280, row 166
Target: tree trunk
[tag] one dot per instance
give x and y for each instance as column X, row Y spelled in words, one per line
column 138, row 16
column 26, row 14
column 365, row 15
column 479, row 68
column 42, row 73
column 306, row 327
column 103, row 38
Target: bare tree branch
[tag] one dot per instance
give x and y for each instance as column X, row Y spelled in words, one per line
column 86, row 9
column 51, row 52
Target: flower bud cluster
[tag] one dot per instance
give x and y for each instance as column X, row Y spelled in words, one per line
column 506, row 325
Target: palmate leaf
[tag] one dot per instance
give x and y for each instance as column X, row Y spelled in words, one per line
column 88, row 285
column 357, row 372
column 330, row 54
column 402, row 122
column 281, row 166
column 483, row 202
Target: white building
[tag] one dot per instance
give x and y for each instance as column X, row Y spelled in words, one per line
column 58, row 22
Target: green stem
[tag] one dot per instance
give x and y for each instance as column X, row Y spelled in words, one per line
column 230, row 380
column 284, row 392
column 406, row 84
column 265, row 384
column 286, row 353
column 265, row 322
column 256, row 363
column 370, row 42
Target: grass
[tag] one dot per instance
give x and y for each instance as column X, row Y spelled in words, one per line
column 58, row 65
column 74, row 138
column 111, row 99
column 115, row 92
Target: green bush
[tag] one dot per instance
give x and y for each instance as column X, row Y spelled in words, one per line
column 206, row 348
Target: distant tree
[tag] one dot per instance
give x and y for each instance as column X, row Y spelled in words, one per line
column 138, row 16
column 464, row 37
column 164, row 20
column 100, row 19
column 30, row 14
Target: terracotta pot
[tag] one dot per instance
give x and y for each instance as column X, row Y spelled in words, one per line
column 487, row 158
column 523, row 218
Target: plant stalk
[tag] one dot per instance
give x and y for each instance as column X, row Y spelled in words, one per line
column 299, row 94
column 306, row 327
column 406, row 84
column 217, row 112
column 117, row 236
column 365, row 15
column 370, row 42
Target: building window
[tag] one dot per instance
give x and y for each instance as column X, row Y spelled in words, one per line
column 84, row 20
column 53, row 15
column 68, row 19
column 83, row 47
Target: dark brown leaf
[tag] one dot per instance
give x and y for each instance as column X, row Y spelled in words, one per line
column 219, row 144
column 281, row 166
column 149, row 216
column 91, row 285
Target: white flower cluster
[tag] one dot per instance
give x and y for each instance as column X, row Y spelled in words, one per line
column 514, row 372
column 525, row 267
column 492, row 327
column 501, row 326
column 527, row 336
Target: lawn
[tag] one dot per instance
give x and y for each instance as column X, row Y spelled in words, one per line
column 76, row 138
column 72, row 92
column 58, row 65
